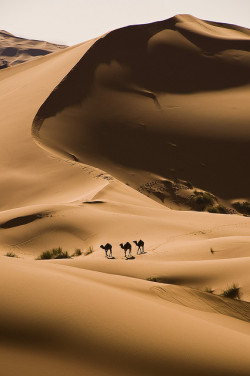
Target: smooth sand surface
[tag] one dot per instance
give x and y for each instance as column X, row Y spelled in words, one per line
column 150, row 315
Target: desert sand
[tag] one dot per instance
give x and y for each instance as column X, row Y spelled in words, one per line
column 160, row 109
column 15, row 50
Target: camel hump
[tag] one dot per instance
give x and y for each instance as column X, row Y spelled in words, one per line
column 127, row 245
column 108, row 245
column 139, row 243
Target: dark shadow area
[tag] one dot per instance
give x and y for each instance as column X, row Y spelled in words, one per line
column 36, row 52
column 9, row 51
column 3, row 64
column 130, row 258
column 166, row 69
column 20, row 221
column 93, row 202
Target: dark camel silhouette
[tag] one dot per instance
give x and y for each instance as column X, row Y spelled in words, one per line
column 126, row 247
column 107, row 247
column 140, row 245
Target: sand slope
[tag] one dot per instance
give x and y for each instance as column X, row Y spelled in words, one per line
column 167, row 100
column 93, row 316
column 101, row 325
column 15, row 50
column 30, row 176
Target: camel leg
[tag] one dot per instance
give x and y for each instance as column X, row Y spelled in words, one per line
column 125, row 253
column 110, row 254
column 106, row 253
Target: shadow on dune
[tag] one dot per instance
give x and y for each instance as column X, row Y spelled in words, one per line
column 140, row 89
column 178, row 61
column 20, row 221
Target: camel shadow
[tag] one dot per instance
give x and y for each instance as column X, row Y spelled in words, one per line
column 110, row 258
column 130, row 258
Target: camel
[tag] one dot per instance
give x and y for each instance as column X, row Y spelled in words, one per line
column 140, row 245
column 107, row 247
column 126, row 247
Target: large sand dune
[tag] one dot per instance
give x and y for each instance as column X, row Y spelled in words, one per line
column 136, row 103
column 167, row 100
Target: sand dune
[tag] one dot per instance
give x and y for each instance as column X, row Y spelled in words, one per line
column 101, row 327
column 167, row 100
column 164, row 108
column 15, row 50
column 30, row 176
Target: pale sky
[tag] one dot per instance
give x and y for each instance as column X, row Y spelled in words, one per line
column 75, row 21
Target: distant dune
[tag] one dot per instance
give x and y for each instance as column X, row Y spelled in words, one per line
column 15, row 50
column 163, row 101
column 164, row 108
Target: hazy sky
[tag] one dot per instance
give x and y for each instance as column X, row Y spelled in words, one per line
column 74, row 21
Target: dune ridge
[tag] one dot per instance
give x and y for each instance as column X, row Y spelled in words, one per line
column 145, row 106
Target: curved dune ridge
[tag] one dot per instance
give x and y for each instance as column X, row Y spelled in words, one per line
column 168, row 100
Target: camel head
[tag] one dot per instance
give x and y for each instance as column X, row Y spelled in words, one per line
column 121, row 245
column 102, row 246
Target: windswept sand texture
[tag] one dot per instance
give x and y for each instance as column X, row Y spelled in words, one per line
column 149, row 104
